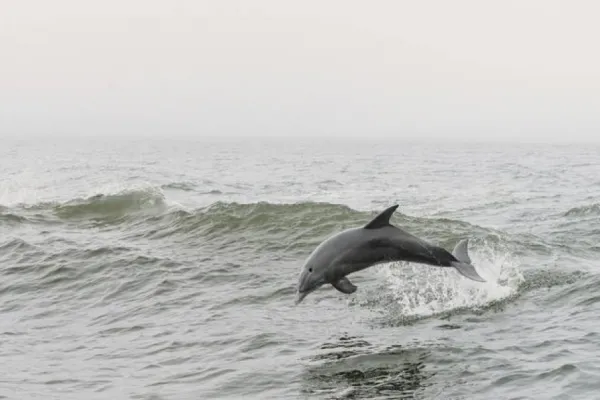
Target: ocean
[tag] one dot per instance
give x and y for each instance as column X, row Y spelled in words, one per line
column 146, row 268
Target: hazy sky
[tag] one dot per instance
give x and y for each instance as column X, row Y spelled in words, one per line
column 274, row 67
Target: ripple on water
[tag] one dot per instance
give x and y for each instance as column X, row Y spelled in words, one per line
column 351, row 367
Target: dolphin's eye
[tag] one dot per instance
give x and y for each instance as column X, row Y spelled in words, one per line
column 310, row 270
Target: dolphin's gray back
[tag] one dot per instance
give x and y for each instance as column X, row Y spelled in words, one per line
column 358, row 249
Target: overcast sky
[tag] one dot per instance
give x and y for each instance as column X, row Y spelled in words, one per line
column 523, row 69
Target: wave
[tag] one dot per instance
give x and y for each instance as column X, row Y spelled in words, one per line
column 284, row 230
column 12, row 218
column 315, row 216
column 290, row 229
column 583, row 211
column 120, row 204
column 127, row 203
column 285, row 227
column 298, row 220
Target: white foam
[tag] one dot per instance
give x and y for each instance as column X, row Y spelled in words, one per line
column 13, row 192
column 421, row 290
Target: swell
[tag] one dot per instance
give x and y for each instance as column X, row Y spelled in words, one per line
column 151, row 204
column 278, row 231
column 128, row 204
column 115, row 205
column 147, row 213
column 288, row 230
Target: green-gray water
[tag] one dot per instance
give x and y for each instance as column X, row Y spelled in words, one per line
column 165, row 269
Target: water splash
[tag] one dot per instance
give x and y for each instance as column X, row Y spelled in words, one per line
column 422, row 291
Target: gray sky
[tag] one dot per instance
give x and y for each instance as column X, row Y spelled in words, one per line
column 523, row 69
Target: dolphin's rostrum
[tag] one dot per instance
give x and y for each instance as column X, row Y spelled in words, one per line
column 375, row 243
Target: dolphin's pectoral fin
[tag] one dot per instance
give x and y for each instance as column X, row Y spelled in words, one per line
column 344, row 285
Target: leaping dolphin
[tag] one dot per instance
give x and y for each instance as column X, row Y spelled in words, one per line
column 375, row 243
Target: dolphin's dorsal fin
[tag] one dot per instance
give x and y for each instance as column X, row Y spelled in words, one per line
column 383, row 219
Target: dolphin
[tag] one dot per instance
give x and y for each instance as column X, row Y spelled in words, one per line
column 377, row 242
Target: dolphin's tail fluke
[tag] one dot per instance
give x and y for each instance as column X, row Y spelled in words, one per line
column 464, row 266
